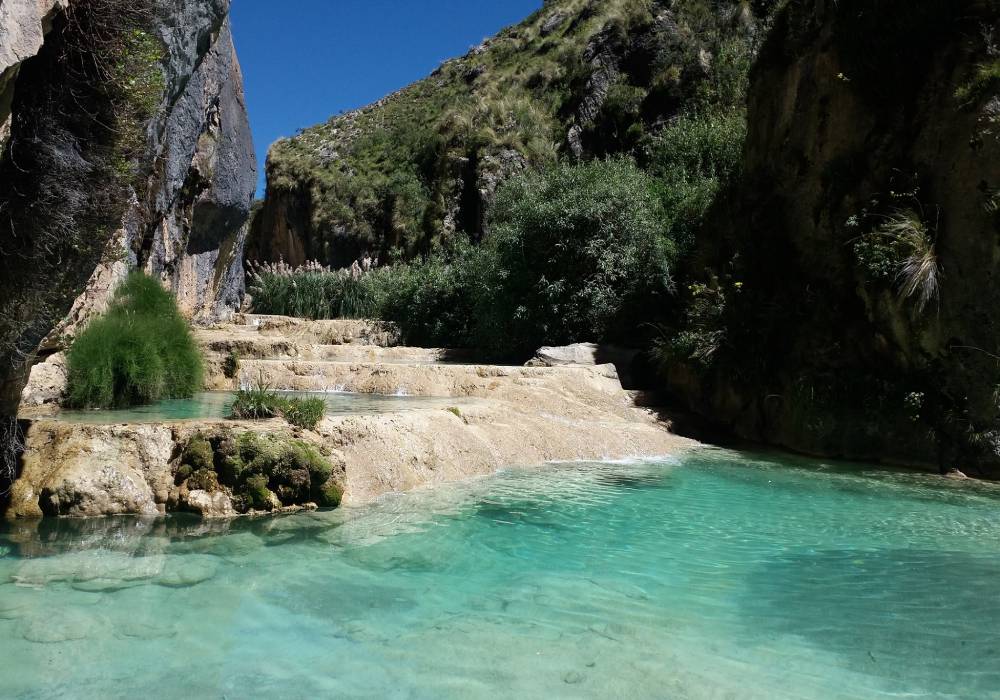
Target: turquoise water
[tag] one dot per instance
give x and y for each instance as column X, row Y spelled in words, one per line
column 218, row 404
column 721, row 575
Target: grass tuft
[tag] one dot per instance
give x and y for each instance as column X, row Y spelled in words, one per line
column 139, row 352
column 260, row 402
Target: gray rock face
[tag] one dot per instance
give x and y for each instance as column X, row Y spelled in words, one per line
column 185, row 222
column 23, row 24
column 199, row 210
column 189, row 228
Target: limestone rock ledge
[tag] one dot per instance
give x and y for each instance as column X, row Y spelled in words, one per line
column 564, row 414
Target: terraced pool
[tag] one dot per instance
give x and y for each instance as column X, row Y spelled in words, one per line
column 718, row 575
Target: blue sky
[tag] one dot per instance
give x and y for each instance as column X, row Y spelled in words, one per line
column 306, row 60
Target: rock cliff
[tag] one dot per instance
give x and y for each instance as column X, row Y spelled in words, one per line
column 125, row 144
column 852, row 276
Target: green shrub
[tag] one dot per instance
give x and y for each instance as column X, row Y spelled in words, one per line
column 434, row 302
column 691, row 160
column 329, row 495
column 256, row 492
column 198, row 453
column 139, row 352
column 900, row 244
column 256, row 402
column 575, row 253
column 204, row 480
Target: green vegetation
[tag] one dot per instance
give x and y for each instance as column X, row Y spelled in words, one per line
column 576, row 250
column 139, row 352
column 703, row 331
column 304, row 413
column 259, row 402
column 985, row 79
column 900, row 247
column 571, row 252
column 311, row 291
column 261, row 472
column 692, row 159
column 384, row 178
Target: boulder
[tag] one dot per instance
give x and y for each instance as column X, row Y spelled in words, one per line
column 210, row 505
column 46, row 383
column 587, row 354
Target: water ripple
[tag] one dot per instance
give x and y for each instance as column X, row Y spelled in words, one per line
column 722, row 575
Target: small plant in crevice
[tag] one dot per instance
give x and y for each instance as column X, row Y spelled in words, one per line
column 986, row 74
column 985, row 78
column 919, row 273
column 702, row 333
column 900, row 246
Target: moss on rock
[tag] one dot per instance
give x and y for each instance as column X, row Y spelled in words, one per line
column 260, row 472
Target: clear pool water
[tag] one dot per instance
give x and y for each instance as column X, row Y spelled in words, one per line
column 218, row 404
column 721, row 575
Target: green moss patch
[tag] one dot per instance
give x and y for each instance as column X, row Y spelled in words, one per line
column 260, row 472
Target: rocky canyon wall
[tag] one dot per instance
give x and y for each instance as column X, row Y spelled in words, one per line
column 857, row 262
column 103, row 172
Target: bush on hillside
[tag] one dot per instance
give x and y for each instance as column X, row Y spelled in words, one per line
column 139, row 352
column 691, row 160
column 435, row 301
column 575, row 253
column 572, row 255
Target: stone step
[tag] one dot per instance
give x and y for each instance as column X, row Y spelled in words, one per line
column 412, row 379
column 306, row 332
column 262, row 348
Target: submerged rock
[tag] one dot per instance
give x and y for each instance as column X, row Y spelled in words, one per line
column 188, row 570
column 89, row 571
column 68, row 625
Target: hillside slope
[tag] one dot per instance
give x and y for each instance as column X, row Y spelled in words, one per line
column 579, row 78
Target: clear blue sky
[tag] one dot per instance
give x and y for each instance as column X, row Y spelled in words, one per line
column 306, row 60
